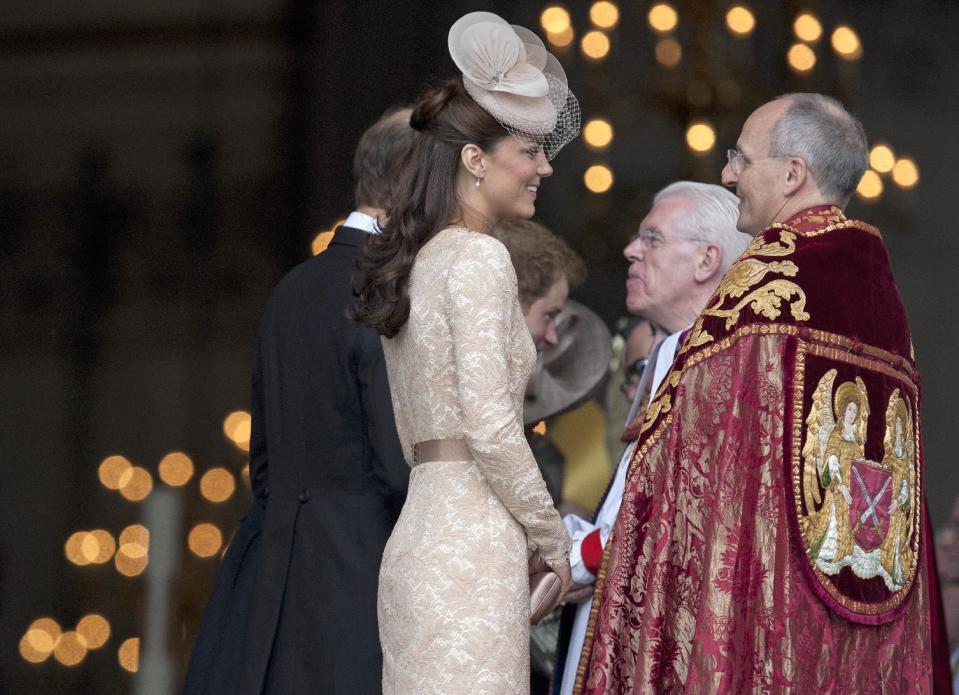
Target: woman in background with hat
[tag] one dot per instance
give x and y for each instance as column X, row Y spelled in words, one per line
column 454, row 591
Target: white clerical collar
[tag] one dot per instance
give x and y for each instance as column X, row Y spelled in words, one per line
column 667, row 352
column 360, row 220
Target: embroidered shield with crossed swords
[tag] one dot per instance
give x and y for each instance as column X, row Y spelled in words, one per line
column 869, row 511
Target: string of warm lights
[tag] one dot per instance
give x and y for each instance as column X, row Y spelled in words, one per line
column 663, row 20
column 808, row 30
column 597, row 132
column 130, row 549
column 883, row 162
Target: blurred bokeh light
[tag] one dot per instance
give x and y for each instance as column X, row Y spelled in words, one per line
column 668, row 52
column 129, row 654
column 71, row 649
column 112, row 469
column 807, row 28
column 604, row 14
column 701, row 137
column 176, row 469
column 94, row 629
column 845, row 41
column 236, row 427
column 801, row 57
column 555, row 19
column 217, row 485
column 595, row 45
column 598, row 178
column 205, row 540
column 905, row 173
column 870, row 185
column 740, row 20
column 882, row 159
column 663, row 17
column 598, row 133
column 136, row 483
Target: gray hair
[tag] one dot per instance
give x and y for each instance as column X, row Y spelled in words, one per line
column 712, row 217
column 831, row 141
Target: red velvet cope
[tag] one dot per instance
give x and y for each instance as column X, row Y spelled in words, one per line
column 706, row 585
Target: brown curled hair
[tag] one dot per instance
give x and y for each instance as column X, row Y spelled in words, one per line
column 539, row 257
column 446, row 119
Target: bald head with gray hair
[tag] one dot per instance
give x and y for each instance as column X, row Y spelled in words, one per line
column 820, row 131
column 711, row 217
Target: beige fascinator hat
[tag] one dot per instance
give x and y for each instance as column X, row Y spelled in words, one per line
column 570, row 370
column 510, row 74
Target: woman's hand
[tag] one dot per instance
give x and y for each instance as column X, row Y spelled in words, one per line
column 565, row 576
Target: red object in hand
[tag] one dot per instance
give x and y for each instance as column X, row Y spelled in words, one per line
column 591, row 550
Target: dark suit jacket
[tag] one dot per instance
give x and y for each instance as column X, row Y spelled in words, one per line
column 294, row 608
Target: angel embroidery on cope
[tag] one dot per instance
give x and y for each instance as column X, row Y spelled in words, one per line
column 858, row 512
column 899, row 460
column 832, row 444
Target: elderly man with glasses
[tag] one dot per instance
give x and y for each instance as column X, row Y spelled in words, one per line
column 772, row 535
column 676, row 259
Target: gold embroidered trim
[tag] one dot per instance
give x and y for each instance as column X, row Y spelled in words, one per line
column 831, row 213
column 784, row 247
column 799, row 389
column 843, row 224
column 881, row 362
column 766, row 301
column 821, row 341
column 587, row 651
column 600, row 583
column 697, row 337
column 660, row 405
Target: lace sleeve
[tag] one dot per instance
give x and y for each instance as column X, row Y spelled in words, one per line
column 482, row 302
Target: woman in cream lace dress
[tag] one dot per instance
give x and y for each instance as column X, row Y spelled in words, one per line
column 454, row 591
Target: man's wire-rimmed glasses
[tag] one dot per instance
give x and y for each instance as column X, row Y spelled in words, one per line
column 739, row 161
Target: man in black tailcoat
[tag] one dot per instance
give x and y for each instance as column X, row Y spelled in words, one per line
column 294, row 608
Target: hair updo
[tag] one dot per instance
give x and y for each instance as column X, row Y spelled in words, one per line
column 446, row 119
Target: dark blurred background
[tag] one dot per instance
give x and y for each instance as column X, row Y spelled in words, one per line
column 163, row 164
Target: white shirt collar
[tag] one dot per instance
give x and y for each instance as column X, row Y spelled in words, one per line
column 665, row 359
column 360, row 220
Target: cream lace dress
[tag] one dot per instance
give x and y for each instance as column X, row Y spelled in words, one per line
column 453, row 598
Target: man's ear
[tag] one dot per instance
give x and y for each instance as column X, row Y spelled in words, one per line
column 708, row 260
column 473, row 159
column 795, row 176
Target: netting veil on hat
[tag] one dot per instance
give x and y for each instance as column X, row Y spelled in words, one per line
column 508, row 71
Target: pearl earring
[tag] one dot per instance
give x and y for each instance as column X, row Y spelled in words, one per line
column 479, row 180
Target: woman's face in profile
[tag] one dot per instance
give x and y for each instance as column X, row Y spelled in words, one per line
column 512, row 178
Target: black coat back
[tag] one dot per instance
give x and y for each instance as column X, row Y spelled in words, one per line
column 294, row 608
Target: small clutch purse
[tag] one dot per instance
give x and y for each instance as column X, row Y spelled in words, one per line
column 544, row 588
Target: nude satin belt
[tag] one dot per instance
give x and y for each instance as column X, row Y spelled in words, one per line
column 441, row 450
